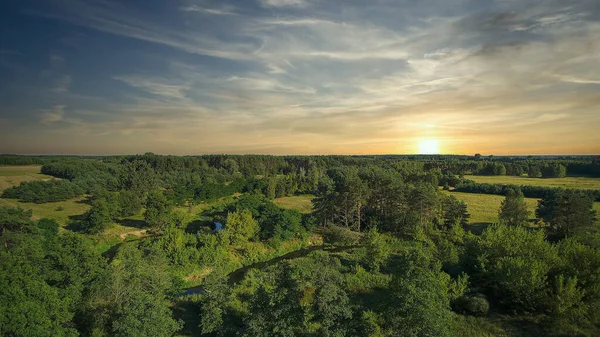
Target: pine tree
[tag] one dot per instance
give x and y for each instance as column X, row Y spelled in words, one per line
column 513, row 210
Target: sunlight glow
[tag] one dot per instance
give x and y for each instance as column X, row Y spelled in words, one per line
column 429, row 146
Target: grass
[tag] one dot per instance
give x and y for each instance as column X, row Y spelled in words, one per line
column 568, row 182
column 301, row 203
column 484, row 207
column 14, row 175
column 59, row 211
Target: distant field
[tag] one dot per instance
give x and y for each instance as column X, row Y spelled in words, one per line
column 484, row 207
column 567, row 182
column 301, row 203
column 14, row 175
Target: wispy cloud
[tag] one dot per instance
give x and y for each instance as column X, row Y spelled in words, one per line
column 215, row 11
column 53, row 115
column 285, row 3
column 63, row 83
column 359, row 78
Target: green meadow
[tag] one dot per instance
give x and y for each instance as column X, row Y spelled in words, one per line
column 301, row 203
column 567, row 182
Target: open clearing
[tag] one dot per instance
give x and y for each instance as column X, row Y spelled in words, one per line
column 59, row 211
column 14, row 175
column 484, row 207
column 567, row 182
column 301, row 203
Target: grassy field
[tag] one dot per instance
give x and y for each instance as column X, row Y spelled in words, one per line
column 484, row 207
column 59, row 211
column 568, row 182
column 14, row 175
column 301, row 203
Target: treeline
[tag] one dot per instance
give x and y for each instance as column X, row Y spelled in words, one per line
column 44, row 191
column 193, row 179
column 529, row 191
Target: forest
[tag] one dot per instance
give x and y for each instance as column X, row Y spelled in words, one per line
column 203, row 246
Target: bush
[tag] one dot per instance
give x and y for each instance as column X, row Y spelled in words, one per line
column 42, row 191
column 472, row 305
column 336, row 235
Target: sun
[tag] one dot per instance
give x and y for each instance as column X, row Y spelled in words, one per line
column 429, row 146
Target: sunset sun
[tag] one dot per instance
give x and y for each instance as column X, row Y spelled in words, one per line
column 429, row 146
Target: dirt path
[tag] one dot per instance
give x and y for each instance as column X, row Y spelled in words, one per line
column 141, row 233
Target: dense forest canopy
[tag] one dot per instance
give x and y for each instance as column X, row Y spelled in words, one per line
column 387, row 249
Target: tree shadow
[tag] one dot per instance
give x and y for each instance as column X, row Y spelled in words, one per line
column 197, row 225
column 477, row 227
column 75, row 226
column 75, row 223
column 374, row 299
column 86, row 201
column 133, row 223
column 189, row 312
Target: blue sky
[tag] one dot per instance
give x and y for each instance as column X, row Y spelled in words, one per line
column 299, row 76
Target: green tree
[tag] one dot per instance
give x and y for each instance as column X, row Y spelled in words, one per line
column 419, row 304
column 377, row 250
column 514, row 263
column 130, row 203
column 98, row 218
column 455, row 212
column 14, row 220
column 231, row 165
column 241, row 226
column 45, row 279
column 331, row 309
column 513, row 210
column 158, row 210
column 132, row 300
column 276, row 311
column 567, row 210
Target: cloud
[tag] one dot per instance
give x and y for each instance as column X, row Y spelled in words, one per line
column 327, row 76
column 62, row 84
column 53, row 115
column 284, row 3
column 214, row 11
column 157, row 86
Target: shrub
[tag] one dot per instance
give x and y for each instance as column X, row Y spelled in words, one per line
column 472, row 305
column 336, row 235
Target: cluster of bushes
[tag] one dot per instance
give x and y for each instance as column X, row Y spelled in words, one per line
column 55, row 284
column 276, row 224
column 525, row 273
column 44, row 191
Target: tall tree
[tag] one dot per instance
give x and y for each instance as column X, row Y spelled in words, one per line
column 132, row 300
column 513, row 210
column 98, row 218
column 455, row 212
column 567, row 210
column 158, row 210
column 419, row 304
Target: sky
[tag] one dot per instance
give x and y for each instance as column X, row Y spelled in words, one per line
column 300, row 77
